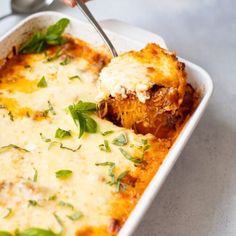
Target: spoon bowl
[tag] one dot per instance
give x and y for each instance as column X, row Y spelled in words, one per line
column 27, row 6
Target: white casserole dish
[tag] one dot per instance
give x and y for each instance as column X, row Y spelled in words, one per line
column 125, row 38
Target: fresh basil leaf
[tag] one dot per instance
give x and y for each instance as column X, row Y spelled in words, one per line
column 61, row 133
column 54, row 32
column 110, row 170
column 75, row 216
column 130, row 158
column 78, row 112
column 121, row 140
column 52, row 198
column 42, row 83
column 35, row 44
column 90, row 124
column 36, row 232
column 85, row 107
column 5, row 233
column 105, row 147
column 56, row 56
column 10, row 146
column 63, row 174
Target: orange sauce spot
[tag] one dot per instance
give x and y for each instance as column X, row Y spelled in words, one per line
column 93, row 231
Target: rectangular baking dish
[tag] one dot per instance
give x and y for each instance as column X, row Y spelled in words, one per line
column 125, row 38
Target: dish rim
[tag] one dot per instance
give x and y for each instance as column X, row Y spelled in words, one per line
column 158, row 179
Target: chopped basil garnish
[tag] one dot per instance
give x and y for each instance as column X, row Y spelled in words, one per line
column 107, row 132
column 66, row 204
column 75, row 216
column 70, row 149
column 56, row 56
column 121, row 140
column 9, row 213
column 63, row 174
column 35, row 175
column 12, row 146
column 42, row 83
column 11, row 116
column 75, row 77
column 119, row 180
column 65, row 62
column 52, row 198
column 105, row 147
column 47, row 140
column 61, row 133
column 114, row 181
column 80, row 114
column 110, row 171
column 39, row 41
column 59, row 221
column 50, row 108
column 33, row 203
column 129, row 157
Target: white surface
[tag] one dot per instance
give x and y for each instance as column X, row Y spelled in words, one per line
column 199, row 196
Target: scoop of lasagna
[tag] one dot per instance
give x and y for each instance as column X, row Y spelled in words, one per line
column 146, row 91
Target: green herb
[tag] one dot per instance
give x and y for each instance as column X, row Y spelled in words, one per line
column 42, row 83
column 110, row 170
column 59, row 221
column 75, row 77
column 52, row 198
column 35, row 232
column 80, row 114
column 121, row 140
column 40, row 40
column 63, row 174
column 105, row 147
column 61, row 133
column 35, row 175
column 65, row 62
column 130, row 157
column 12, row 146
column 33, row 203
column 75, row 216
column 47, row 140
column 66, row 204
column 119, row 180
column 9, row 213
column 70, row 149
column 56, row 56
column 5, row 233
column 51, row 109
column 11, row 116
column 107, row 132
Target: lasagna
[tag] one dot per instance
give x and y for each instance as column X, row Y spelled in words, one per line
column 77, row 144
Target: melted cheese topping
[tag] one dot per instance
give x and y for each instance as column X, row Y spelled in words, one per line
column 27, row 201
column 137, row 72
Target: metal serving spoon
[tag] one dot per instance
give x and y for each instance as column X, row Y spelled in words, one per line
column 27, row 6
column 81, row 5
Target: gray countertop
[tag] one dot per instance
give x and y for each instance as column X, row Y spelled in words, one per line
column 199, row 196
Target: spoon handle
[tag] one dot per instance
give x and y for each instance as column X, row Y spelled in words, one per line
column 5, row 16
column 81, row 5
